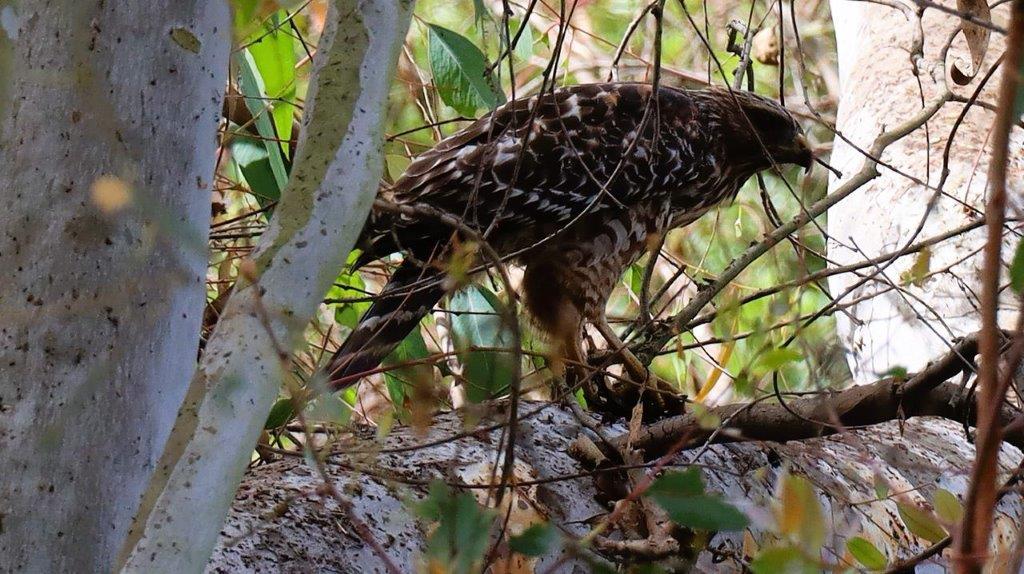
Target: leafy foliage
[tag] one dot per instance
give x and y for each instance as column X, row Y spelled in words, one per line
column 947, row 506
column 281, row 414
column 1017, row 267
column 921, row 522
column 682, row 495
column 866, row 553
column 1018, row 107
column 411, row 353
column 783, row 559
column 536, row 540
column 799, row 515
column 272, row 52
column 461, row 530
column 254, row 90
column 459, row 72
column 478, row 328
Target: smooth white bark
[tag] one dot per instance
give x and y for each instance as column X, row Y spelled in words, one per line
column 99, row 310
column 332, row 185
column 907, row 327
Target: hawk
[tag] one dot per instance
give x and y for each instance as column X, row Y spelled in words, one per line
column 573, row 185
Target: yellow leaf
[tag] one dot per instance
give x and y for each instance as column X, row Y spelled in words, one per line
column 947, row 506
column 918, row 272
column 802, row 519
column 110, row 193
column 920, row 522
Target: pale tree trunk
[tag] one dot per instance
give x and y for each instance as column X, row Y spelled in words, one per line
column 879, row 88
column 100, row 302
column 333, row 183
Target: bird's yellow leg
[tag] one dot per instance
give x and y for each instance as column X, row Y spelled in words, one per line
column 570, row 366
column 634, row 368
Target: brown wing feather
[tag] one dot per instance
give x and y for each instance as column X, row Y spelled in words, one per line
column 541, row 162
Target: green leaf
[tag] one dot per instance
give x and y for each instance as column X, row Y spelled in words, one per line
column 682, row 496
column 273, row 51
column 244, row 12
column 773, row 359
column 349, row 285
column 688, row 482
column 535, row 540
column 412, row 348
column 866, row 553
column 782, row 560
column 524, row 47
column 244, row 8
column 458, row 68
column 254, row 93
column 186, row 40
column 881, row 487
column 280, row 414
column 634, row 278
column 896, row 372
column 481, row 14
column 477, row 321
column 329, row 407
column 706, row 418
column 920, row 522
column 947, row 506
column 1017, row 265
column 462, row 533
column 254, row 164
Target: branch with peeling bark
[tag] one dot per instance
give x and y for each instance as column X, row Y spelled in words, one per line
column 281, row 515
column 929, row 393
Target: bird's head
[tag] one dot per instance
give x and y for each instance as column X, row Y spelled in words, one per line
column 760, row 132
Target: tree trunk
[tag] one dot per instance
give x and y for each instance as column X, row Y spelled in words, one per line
column 108, row 122
column 334, row 180
column 877, row 55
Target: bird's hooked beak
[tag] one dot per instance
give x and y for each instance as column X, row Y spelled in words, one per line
column 803, row 155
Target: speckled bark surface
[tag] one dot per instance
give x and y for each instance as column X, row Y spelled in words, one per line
column 880, row 88
column 100, row 309
column 311, row 534
column 333, row 181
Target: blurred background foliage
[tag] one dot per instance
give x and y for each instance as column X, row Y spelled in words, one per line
column 439, row 88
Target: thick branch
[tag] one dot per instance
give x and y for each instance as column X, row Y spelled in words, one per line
column 929, row 393
column 815, row 416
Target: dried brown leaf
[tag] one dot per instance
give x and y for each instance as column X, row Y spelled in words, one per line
column 977, row 37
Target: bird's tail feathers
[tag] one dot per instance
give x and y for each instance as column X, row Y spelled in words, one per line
column 411, row 292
